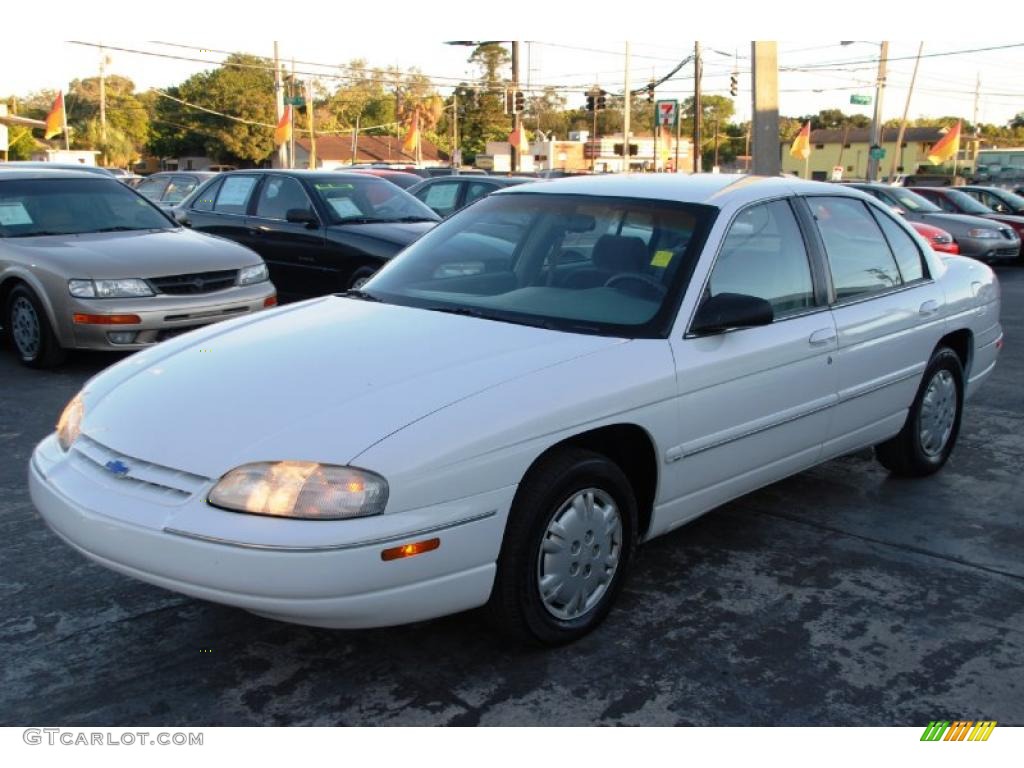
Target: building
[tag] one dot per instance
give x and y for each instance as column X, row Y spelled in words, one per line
column 581, row 153
column 332, row 151
column 847, row 148
column 83, row 156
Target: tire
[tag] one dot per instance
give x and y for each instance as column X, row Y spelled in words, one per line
column 912, row 453
column 29, row 330
column 360, row 276
column 516, row 607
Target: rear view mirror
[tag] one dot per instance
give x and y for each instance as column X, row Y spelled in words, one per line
column 302, row 216
column 579, row 222
column 731, row 310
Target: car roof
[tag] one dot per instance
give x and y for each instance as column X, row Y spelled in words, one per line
column 7, row 174
column 93, row 170
column 715, row 189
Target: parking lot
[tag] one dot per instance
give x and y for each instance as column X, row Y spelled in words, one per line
column 838, row 597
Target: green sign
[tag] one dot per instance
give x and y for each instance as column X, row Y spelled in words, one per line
column 859, row 98
column 877, row 153
column 295, row 101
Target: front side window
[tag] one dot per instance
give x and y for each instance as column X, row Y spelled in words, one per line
column 279, row 195
column 152, row 188
column 179, row 188
column 441, row 197
column 763, row 255
column 36, row 207
column 858, row 255
column 570, row 262
column 206, row 197
column 477, row 189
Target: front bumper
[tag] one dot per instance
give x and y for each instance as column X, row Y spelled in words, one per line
column 335, row 580
column 160, row 316
column 988, row 248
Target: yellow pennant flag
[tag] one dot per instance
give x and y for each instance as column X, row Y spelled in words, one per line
column 518, row 140
column 283, row 131
column 802, row 143
column 946, row 147
column 412, row 137
column 55, row 118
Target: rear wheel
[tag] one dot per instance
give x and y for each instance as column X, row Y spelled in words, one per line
column 568, row 543
column 360, row 277
column 30, row 332
column 933, row 423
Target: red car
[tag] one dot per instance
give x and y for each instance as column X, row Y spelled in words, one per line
column 939, row 239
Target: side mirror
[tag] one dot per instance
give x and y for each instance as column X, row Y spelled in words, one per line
column 731, row 310
column 302, row 216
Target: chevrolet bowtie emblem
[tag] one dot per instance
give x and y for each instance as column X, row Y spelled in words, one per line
column 119, row 468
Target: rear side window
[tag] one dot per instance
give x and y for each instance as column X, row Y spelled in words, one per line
column 475, row 190
column 152, row 188
column 204, row 200
column 234, row 194
column 764, row 256
column 858, row 255
column 179, row 189
column 908, row 255
column 441, row 197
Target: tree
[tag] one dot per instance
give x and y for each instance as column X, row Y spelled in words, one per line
column 243, row 89
column 127, row 117
column 484, row 117
column 1017, row 121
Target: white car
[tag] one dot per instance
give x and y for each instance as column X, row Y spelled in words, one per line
column 549, row 377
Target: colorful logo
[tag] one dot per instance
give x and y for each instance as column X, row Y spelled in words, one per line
column 959, row 730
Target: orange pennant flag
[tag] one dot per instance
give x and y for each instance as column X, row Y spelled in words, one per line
column 946, row 147
column 802, row 143
column 412, row 137
column 519, row 140
column 283, row 131
column 55, row 118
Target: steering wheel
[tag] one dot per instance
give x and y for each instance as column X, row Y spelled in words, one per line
column 644, row 280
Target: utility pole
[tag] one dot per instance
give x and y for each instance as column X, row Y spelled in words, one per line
column 876, row 120
column 312, row 131
column 516, row 118
column 280, row 159
column 897, row 155
column 716, row 144
column 977, row 97
column 626, row 105
column 455, row 128
column 766, row 108
column 697, row 109
column 103, row 95
column 291, row 143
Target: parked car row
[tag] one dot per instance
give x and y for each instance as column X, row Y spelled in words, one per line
column 547, row 378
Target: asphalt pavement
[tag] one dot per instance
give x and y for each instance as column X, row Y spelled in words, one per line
column 840, row 596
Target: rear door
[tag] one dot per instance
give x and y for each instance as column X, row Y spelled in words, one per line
column 223, row 209
column 888, row 314
column 294, row 252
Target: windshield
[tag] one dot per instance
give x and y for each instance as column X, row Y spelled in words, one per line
column 1016, row 202
column 615, row 266
column 33, row 207
column 966, row 203
column 911, row 201
column 350, row 199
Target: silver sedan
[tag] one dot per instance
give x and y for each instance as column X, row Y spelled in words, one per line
column 87, row 263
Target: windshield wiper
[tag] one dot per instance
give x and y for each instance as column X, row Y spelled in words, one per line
column 355, row 293
column 118, row 228
column 466, row 311
column 361, row 220
column 407, row 219
column 41, row 233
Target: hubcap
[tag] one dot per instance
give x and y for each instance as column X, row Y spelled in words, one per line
column 25, row 327
column 938, row 413
column 579, row 554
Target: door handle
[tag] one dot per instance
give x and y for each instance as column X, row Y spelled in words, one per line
column 306, row 259
column 930, row 307
column 822, row 336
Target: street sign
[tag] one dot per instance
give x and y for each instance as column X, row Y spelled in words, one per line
column 837, row 173
column 295, row 101
column 877, row 153
column 666, row 112
column 859, row 98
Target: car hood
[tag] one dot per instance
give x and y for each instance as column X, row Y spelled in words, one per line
column 147, row 253
column 956, row 223
column 398, row 233
column 319, row 381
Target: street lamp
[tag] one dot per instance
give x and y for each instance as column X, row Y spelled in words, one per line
column 875, row 152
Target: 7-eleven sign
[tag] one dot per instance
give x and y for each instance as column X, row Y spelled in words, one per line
column 666, row 113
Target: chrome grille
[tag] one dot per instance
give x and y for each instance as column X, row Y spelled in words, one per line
column 154, row 481
column 197, row 282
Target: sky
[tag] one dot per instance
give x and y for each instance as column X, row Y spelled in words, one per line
column 566, row 55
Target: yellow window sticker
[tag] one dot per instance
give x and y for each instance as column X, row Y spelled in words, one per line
column 661, row 258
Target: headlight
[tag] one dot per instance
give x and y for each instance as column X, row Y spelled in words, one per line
column 250, row 275
column 109, row 289
column 301, row 489
column 984, row 234
column 70, row 423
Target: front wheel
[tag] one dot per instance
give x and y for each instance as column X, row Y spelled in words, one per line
column 933, row 423
column 568, row 543
column 360, row 277
column 29, row 329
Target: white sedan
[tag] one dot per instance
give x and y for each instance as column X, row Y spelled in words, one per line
column 549, row 377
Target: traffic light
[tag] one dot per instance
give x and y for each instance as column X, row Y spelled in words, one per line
column 602, row 102
column 650, row 93
column 590, row 102
column 734, row 84
column 508, row 104
column 520, row 102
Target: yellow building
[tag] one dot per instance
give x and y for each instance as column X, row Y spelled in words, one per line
column 848, row 149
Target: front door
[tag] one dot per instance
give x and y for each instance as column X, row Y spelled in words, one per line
column 754, row 403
